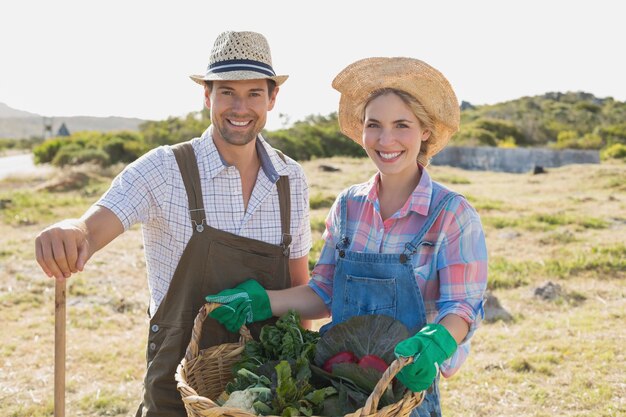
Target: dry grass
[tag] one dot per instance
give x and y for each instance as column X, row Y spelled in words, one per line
column 563, row 357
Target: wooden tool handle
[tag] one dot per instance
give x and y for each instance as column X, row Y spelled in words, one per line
column 59, row 347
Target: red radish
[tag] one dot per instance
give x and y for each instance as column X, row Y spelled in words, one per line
column 373, row 361
column 340, row 357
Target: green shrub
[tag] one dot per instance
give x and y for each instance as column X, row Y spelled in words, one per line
column 314, row 137
column 588, row 107
column 21, row 144
column 572, row 140
column 500, row 129
column 75, row 155
column 65, row 154
column 613, row 133
column 299, row 148
column 472, row 136
column 508, row 142
column 175, row 129
column 103, row 148
column 123, row 147
column 615, row 151
column 45, row 152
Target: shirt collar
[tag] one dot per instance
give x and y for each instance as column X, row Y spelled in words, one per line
column 418, row 201
column 271, row 164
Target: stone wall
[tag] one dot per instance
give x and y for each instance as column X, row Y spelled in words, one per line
column 515, row 160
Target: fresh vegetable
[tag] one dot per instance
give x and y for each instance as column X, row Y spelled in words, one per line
column 340, row 357
column 246, row 399
column 245, row 379
column 277, row 370
column 371, row 338
column 362, row 335
column 286, row 340
column 353, row 385
column 291, row 371
column 373, row 361
column 294, row 395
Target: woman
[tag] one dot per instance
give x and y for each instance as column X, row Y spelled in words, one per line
column 399, row 244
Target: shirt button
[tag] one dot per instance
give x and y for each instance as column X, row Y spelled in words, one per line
column 152, row 346
column 155, row 328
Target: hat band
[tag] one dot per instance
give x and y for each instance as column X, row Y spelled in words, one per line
column 241, row 65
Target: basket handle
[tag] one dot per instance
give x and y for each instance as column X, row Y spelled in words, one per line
column 371, row 405
column 194, row 345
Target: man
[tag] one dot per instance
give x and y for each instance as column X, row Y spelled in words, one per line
column 215, row 212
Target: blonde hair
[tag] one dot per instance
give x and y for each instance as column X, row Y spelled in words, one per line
column 416, row 107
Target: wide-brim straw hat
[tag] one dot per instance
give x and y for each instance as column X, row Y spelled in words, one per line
column 240, row 56
column 360, row 79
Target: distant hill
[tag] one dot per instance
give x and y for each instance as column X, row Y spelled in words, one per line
column 6, row 111
column 563, row 120
column 19, row 124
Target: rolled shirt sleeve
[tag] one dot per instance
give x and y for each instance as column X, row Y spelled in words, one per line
column 462, row 270
column 135, row 195
column 323, row 273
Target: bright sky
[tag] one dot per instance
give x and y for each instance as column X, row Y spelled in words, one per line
column 132, row 58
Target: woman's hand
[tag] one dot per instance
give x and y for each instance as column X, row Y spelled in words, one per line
column 428, row 348
column 246, row 303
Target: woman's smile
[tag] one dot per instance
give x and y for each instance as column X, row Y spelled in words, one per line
column 389, row 156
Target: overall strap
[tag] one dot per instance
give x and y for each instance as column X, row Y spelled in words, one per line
column 344, row 240
column 188, row 166
column 284, row 201
column 433, row 213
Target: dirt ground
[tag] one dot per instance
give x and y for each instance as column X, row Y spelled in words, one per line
column 563, row 356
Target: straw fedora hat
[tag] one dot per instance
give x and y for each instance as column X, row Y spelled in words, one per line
column 240, row 56
column 360, row 79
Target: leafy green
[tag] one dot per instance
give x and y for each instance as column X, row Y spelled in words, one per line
column 362, row 335
column 282, row 360
column 277, row 367
column 345, row 402
column 286, row 340
column 245, row 379
column 294, row 394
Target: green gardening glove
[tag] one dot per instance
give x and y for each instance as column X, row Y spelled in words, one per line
column 246, row 303
column 428, row 348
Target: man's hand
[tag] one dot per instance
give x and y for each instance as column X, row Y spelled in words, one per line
column 63, row 248
column 429, row 348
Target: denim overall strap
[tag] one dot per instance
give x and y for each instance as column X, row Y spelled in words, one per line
column 433, row 213
column 344, row 240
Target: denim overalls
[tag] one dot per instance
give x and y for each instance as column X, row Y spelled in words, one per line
column 381, row 283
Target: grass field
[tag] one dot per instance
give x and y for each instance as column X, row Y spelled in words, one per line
column 559, row 357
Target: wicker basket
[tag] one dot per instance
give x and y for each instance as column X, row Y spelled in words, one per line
column 203, row 375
